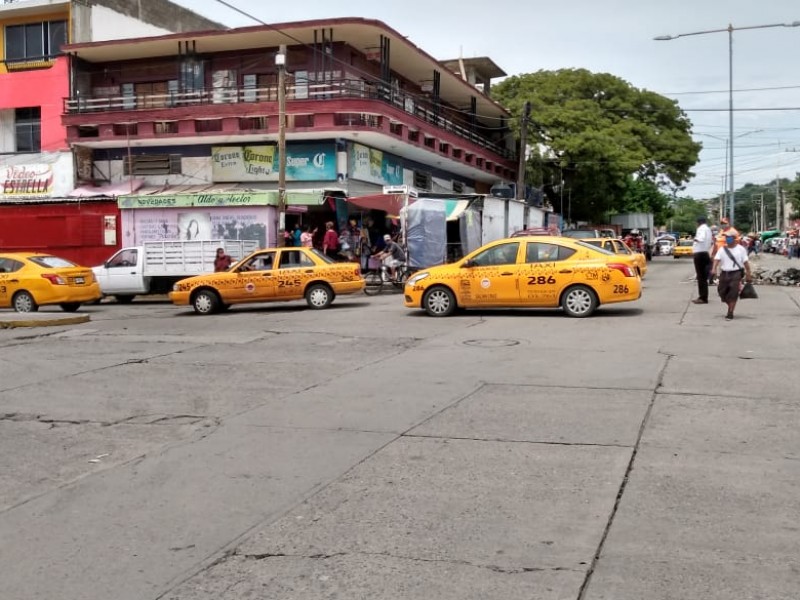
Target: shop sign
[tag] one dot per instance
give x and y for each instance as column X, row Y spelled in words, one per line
column 304, row 162
column 192, row 200
column 27, row 180
column 373, row 166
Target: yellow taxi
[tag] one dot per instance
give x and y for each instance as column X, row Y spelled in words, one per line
column 683, row 248
column 270, row 275
column 540, row 272
column 29, row 280
column 623, row 252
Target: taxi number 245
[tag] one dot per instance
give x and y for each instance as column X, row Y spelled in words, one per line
column 541, row 280
column 288, row 282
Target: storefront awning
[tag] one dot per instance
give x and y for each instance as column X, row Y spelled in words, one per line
column 392, row 204
column 109, row 190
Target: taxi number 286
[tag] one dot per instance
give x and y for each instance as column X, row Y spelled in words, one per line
column 541, row 280
column 621, row 289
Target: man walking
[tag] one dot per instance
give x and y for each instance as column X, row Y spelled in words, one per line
column 733, row 262
column 701, row 252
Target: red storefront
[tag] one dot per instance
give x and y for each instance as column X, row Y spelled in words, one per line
column 84, row 231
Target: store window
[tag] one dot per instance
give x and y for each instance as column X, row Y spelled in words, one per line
column 35, row 41
column 28, row 129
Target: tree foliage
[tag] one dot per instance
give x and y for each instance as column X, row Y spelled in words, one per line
column 596, row 133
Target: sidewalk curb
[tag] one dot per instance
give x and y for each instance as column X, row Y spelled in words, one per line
column 45, row 322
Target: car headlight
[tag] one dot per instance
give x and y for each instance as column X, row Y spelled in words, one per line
column 414, row 280
column 176, row 288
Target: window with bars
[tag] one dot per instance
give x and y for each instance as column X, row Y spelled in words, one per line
column 35, row 41
column 152, row 164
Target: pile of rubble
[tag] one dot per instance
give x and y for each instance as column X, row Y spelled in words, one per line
column 786, row 277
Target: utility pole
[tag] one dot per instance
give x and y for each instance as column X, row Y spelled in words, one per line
column 523, row 145
column 778, row 202
column 280, row 61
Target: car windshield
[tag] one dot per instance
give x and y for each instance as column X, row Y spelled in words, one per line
column 595, row 248
column 51, row 262
column 686, row 243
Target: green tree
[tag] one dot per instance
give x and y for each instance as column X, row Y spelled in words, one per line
column 594, row 131
column 685, row 214
column 643, row 195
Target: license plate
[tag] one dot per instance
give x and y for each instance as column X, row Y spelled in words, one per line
column 80, row 280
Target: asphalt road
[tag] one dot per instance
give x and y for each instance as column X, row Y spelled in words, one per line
column 368, row 451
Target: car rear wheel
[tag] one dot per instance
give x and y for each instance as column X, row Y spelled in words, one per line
column 205, row 302
column 579, row 301
column 439, row 302
column 319, row 296
column 70, row 306
column 23, row 302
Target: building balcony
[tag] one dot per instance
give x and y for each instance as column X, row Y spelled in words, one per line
column 333, row 106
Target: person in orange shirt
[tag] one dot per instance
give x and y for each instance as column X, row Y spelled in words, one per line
column 725, row 230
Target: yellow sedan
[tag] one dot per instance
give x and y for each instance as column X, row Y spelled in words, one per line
column 540, row 272
column 623, row 252
column 271, row 275
column 683, row 248
column 29, row 280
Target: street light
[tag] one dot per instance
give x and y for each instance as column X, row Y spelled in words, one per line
column 730, row 29
column 727, row 142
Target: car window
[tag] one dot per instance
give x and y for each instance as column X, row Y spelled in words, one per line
column 595, row 248
column 321, row 256
column 542, row 252
column 51, row 262
column 294, row 259
column 124, row 258
column 609, row 245
column 598, row 243
column 622, row 248
column 9, row 265
column 259, row 262
column 502, row 254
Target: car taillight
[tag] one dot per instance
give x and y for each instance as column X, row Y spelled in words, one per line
column 54, row 279
column 357, row 272
column 624, row 269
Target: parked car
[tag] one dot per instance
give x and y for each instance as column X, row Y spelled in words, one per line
column 29, row 280
column 636, row 259
column 530, row 272
column 580, row 234
column 273, row 274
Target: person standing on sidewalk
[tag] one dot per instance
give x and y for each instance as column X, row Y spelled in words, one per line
column 733, row 263
column 701, row 252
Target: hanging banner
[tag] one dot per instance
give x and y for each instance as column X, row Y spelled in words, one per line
column 304, row 162
column 373, row 166
column 190, row 200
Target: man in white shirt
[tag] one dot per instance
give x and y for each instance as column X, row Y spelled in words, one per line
column 701, row 252
column 731, row 260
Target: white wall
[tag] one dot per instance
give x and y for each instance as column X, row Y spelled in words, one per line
column 494, row 219
column 109, row 25
column 516, row 216
column 194, row 171
column 8, row 140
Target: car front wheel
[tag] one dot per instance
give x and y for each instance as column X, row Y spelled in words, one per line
column 206, row 302
column 579, row 301
column 439, row 302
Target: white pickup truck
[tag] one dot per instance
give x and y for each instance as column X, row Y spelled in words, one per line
column 154, row 267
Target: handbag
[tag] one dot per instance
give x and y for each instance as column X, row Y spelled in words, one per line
column 748, row 292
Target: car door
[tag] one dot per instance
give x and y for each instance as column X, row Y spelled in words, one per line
column 490, row 278
column 255, row 279
column 10, row 279
column 545, row 274
column 294, row 270
column 121, row 275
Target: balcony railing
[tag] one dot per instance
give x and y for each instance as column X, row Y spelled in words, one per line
column 331, row 90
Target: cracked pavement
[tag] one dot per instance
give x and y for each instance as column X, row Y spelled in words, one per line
column 367, row 451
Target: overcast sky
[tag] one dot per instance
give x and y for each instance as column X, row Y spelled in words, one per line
column 616, row 36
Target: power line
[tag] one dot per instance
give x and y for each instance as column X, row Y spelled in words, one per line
column 760, row 89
